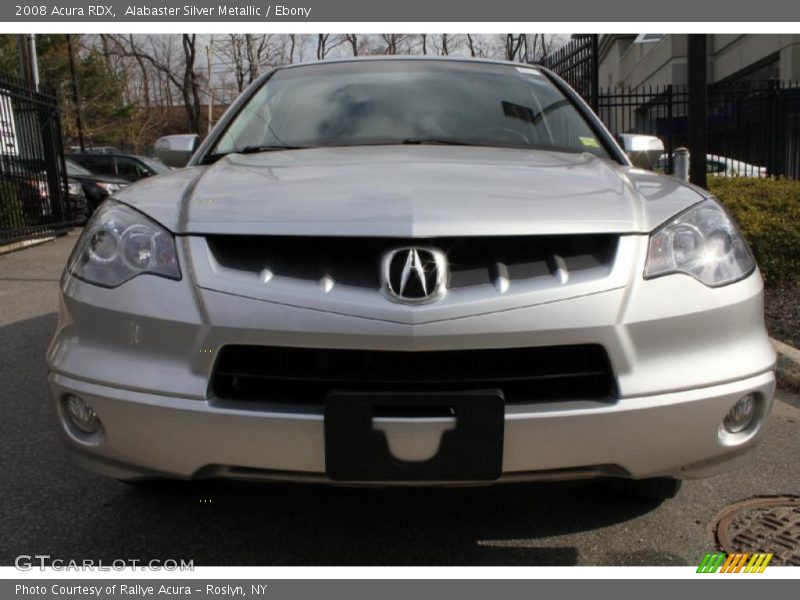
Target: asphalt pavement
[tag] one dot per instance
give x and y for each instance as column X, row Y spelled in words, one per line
column 49, row 506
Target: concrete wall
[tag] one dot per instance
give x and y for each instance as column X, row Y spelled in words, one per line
column 612, row 47
column 734, row 53
column 663, row 62
column 790, row 59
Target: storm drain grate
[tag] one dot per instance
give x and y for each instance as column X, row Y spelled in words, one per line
column 762, row 525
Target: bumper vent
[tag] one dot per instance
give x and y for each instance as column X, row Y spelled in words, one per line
column 305, row 375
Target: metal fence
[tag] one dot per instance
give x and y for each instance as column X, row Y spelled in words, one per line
column 33, row 184
column 576, row 63
column 753, row 127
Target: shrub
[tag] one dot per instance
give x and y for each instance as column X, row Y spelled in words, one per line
column 12, row 214
column 768, row 213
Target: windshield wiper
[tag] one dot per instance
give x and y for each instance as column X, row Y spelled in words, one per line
column 436, row 142
column 268, row 148
column 212, row 158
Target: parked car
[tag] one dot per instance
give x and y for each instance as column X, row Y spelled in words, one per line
column 78, row 205
column 28, row 183
column 95, row 187
column 411, row 271
column 24, row 193
column 95, row 150
column 721, row 166
column 129, row 167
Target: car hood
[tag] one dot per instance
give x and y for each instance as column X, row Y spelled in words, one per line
column 410, row 191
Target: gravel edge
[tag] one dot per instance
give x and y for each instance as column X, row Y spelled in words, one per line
column 788, row 365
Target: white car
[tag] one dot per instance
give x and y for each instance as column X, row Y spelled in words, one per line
column 722, row 166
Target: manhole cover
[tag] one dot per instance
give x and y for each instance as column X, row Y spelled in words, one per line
column 762, row 525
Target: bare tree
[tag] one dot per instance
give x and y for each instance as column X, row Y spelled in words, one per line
column 446, row 44
column 352, row 39
column 322, row 42
column 190, row 87
column 258, row 52
column 479, row 46
column 327, row 42
column 391, row 43
column 529, row 47
column 471, row 45
column 246, row 54
column 231, row 52
column 184, row 76
column 514, row 45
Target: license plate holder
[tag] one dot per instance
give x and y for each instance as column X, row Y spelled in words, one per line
column 471, row 451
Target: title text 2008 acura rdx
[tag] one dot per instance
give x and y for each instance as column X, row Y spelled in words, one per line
column 410, row 271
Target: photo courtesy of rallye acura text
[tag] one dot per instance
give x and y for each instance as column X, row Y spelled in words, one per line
column 412, row 271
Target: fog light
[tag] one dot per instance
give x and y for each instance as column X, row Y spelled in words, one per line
column 741, row 415
column 81, row 414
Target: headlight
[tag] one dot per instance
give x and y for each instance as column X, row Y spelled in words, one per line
column 74, row 189
column 120, row 243
column 702, row 242
column 111, row 188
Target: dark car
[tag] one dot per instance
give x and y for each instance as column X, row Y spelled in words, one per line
column 95, row 186
column 130, row 167
column 78, row 205
column 25, row 192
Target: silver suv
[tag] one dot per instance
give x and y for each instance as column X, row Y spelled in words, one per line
column 408, row 272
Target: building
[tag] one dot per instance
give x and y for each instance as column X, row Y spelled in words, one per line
column 631, row 60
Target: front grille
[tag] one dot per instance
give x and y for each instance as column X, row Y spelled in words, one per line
column 307, row 375
column 472, row 261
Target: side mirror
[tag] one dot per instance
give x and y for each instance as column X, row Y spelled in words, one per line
column 643, row 150
column 176, row 150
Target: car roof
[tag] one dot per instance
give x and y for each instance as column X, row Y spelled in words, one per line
column 412, row 57
column 118, row 154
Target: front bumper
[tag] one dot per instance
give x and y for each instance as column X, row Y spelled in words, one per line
column 674, row 434
column 682, row 354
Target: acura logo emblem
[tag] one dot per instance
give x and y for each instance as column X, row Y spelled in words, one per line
column 414, row 275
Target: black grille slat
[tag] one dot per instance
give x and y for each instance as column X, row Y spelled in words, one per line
column 471, row 380
column 306, row 375
column 356, row 261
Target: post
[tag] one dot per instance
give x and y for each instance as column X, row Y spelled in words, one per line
column 698, row 107
column 772, row 121
column 34, row 61
column 670, row 139
column 682, row 163
column 75, row 97
column 24, row 63
column 595, row 63
column 210, row 95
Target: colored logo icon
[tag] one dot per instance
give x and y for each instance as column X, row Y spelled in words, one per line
column 735, row 563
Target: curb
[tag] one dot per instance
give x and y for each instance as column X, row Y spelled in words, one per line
column 788, row 365
column 14, row 246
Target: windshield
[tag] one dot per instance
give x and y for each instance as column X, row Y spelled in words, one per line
column 74, row 168
column 408, row 101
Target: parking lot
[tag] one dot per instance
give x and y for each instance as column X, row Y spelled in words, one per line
column 48, row 506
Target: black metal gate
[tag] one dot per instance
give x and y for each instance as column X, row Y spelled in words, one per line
column 753, row 127
column 33, row 184
column 576, row 63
